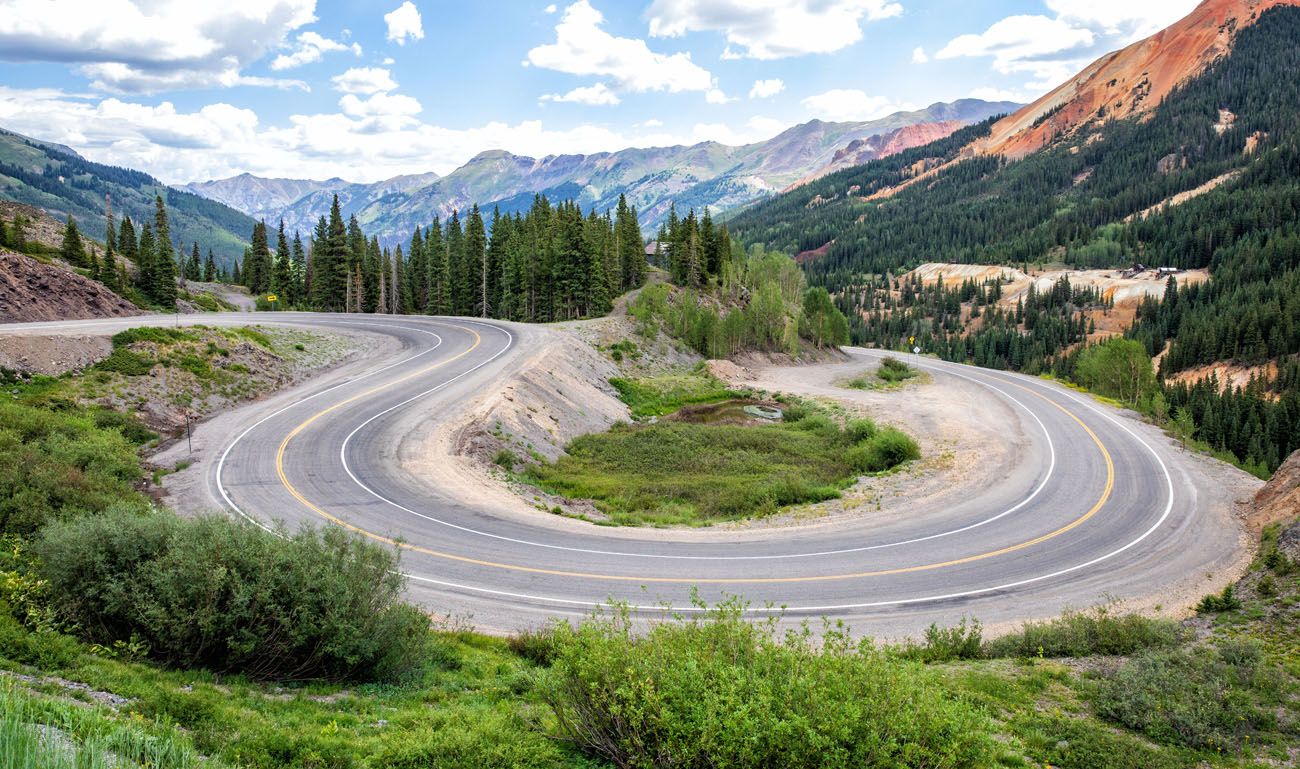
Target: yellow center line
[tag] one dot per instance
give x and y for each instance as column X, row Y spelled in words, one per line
column 279, row 468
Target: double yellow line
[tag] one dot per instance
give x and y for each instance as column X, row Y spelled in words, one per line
column 284, row 480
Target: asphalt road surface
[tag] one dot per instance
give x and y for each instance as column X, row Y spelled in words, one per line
column 1101, row 506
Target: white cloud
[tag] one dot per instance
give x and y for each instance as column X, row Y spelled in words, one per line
column 551, row 8
column 1123, row 17
column 1049, row 49
column 310, row 48
column 134, row 45
column 598, row 94
column 404, row 23
column 919, row 56
column 999, row 94
column 716, row 96
column 756, row 129
column 381, row 139
column 652, row 123
column 379, row 105
column 765, row 89
column 771, row 29
column 846, row 104
column 581, row 47
column 364, row 80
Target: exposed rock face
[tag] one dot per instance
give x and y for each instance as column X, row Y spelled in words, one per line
column 1279, row 500
column 1130, row 81
column 32, row 291
column 860, row 151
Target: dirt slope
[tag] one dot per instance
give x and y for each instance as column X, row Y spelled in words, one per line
column 32, row 291
column 1279, row 500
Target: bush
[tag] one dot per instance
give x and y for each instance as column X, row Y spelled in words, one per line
column 505, row 458
column 1199, row 698
column 226, row 596
column 44, row 649
column 59, row 465
column 959, row 642
column 859, row 430
column 1215, row 604
column 724, row 692
column 889, row 448
column 126, row 362
column 660, row 395
column 154, row 334
column 893, row 370
column 1084, row 634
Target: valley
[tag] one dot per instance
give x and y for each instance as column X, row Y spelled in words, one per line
column 518, row 393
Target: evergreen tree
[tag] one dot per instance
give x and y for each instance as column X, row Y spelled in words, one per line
column 282, row 280
column 164, row 261
column 209, row 269
column 72, row 250
column 298, row 273
column 194, row 267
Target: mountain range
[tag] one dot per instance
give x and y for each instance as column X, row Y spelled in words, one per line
column 709, row 174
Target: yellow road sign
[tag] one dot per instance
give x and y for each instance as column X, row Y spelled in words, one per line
column 271, row 297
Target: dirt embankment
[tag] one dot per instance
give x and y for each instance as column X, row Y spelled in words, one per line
column 32, row 291
column 1279, row 500
column 52, row 355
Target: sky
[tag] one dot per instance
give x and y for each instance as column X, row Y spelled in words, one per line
column 366, row 90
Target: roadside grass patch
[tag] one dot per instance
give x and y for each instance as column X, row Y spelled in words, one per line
column 675, row 472
column 1086, row 634
column 891, row 375
column 659, row 395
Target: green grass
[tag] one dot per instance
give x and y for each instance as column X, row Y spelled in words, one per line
column 660, row 395
column 891, row 375
column 688, row 473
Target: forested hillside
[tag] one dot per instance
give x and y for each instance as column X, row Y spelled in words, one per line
column 60, row 181
column 1209, row 179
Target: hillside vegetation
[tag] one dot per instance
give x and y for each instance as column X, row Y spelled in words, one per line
column 1094, row 199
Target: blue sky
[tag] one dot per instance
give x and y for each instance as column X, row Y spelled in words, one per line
column 367, row 90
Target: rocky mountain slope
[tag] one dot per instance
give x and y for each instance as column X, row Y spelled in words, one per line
column 61, row 182
column 1128, row 82
column 706, row 174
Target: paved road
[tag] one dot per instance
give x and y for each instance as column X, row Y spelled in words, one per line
column 1101, row 506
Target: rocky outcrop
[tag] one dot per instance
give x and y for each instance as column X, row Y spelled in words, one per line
column 1279, row 500
column 33, row 291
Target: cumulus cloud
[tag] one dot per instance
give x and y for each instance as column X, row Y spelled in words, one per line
column 583, row 47
column 598, row 94
column 1123, row 17
column 771, row 29
column 364, row 80
column 999, row 94
column 765, row 89
column 404, row 23
column 919, row 56
column 139, row 46
column 551, row 8
column 310, row 47
column 756, row 129
column 848, row 104
column 716, row 96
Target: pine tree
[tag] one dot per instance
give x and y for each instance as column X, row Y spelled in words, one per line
column 299, row 272
column 210, row 269
column 194, row 267
column 72, row 250
column 164, row 261
column 92, row 264
column 146, row 253
column 282, row 275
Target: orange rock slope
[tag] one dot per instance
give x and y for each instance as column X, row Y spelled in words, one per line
column 1129, row 81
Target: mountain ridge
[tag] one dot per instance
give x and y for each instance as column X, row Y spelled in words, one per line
column 705, row 173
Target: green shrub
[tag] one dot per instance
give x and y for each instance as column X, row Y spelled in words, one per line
column 724, row 692
column 59, row 465
column 506, row 458
column 226, row 596
column 126, row 362
column 536, row 646
column 1216, row 604
column 893, row 370
column 253, row 335
column 887, row 449
column 1085, row 634
column 155, row 334
column 660, row 395
column 1201, row 698
column 45, row 649
column 945, row 644
column 859, row 430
